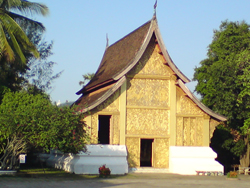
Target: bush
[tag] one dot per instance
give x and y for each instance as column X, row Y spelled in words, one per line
column 232, row 174
column 104, row 171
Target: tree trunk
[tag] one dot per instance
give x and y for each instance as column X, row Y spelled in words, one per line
column 244, row 159
column 15, row 146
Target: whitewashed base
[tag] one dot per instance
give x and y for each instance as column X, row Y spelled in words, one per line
column 113, row 156
column 187, row 160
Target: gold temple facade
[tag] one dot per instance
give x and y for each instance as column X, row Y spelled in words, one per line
column 148, row 108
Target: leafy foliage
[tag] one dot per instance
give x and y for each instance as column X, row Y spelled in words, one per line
column 223, row 81
column 37, row 123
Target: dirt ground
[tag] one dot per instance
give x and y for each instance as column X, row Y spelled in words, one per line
column 130, row 180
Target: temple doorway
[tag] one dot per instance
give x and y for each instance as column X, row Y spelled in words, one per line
column 104, row 129
column 146, row 152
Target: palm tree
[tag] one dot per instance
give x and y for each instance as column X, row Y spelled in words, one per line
column 86, row 78
column 13, row 40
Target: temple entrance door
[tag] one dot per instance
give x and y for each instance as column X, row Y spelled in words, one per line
column 104, row 129
column 146, row 152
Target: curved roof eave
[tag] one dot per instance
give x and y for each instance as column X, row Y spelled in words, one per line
column 199, row 103
column 167, row 57
column 104, row 96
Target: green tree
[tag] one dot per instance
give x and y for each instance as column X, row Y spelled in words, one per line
column 31, row 121
column 223, row 83
column 39, row 73
column 13, row 40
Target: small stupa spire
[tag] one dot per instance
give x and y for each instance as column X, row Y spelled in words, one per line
column 155, row 5
column 107, row 39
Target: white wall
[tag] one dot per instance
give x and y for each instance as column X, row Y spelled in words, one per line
column 113, row 156
column 187, row 160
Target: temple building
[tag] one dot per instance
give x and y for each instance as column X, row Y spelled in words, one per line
column 138, row 98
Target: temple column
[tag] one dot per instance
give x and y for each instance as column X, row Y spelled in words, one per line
column 123, row 112
column 172, row 103
column 206, row 139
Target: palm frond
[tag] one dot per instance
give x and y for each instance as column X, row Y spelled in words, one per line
column 18, row 37
column 17, row 48
column 29, row 8
column 5, row 49
column 26, row 22
column 7, row 4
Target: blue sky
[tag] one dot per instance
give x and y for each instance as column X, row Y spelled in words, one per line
column 79, row 27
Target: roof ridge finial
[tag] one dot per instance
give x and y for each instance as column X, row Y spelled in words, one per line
column 107, row 39
column 155, row 5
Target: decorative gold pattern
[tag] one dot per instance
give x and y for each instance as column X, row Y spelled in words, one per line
column 116, row 129
column 186, row 131
column 148, row 92
column 199, row 130
column 161, row 153
column 179, row 131
column 151, row 63
column 111, row 104
column 212, row 125
column 186, row 105
column 193, row 131
column 189, row 131
column 147, row 122
column 94, row 133
column 133, row 147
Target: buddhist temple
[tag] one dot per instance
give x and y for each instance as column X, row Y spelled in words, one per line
column 138, row 98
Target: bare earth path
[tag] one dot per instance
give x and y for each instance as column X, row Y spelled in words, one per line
column 131, row 181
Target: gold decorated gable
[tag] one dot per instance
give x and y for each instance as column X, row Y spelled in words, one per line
column 185, row 105
column 151, row 63
column 111, row 104
column 148, row 94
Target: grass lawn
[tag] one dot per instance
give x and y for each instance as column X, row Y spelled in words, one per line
column 52, row 173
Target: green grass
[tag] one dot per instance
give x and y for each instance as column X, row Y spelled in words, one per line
column 52, row 173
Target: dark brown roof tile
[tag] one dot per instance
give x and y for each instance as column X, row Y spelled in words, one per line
column 118, row 56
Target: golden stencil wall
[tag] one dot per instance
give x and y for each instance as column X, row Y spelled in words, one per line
column 148, row 96
column 133, row 147
column 185, row 105
column 94, row 129
column 148, row 92
column 116, row 129
column 189, row 131
column 151, row 63
column 108, row 107
column 161, row 153
column 111, row 104
column 148, row 108
column 147, row 122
